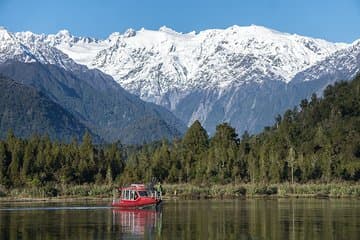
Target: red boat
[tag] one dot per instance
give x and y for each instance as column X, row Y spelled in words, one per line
column 137, row 196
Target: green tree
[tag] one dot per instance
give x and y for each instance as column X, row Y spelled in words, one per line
column 4, row 162
column 15, row 164
column 87, row 166
column 291, row 161
column 224, row 143
column 195, row 144
column 29, row 159
column 196, row 139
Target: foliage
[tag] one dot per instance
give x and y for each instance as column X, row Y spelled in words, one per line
column 38, row 162
column 318, row 143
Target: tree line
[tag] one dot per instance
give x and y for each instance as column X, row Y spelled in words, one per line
column 317, row 141
column 37, row 161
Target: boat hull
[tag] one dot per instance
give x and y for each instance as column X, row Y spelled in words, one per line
column 137, row 204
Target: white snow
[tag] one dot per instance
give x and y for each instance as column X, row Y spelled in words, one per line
column 29, row 47
column 154, row 63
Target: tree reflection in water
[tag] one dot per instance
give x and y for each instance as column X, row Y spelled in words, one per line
column 250, row 219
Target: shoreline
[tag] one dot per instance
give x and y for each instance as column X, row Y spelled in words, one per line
column 282, row 190
column 52, row 199
column 4, row 200
column 188, row 191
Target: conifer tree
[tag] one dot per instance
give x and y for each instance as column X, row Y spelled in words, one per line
column 196, row 139
column 15, row 164
column 4, row 162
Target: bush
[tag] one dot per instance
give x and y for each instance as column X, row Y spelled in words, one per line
column 87, row 190
column 50, row 191
column 2, row 191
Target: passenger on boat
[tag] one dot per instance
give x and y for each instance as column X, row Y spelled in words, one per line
column 158, row 188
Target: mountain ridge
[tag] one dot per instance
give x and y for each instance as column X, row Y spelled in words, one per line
column 90, row 95
column 235, row 74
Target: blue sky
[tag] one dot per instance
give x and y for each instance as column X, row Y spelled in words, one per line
column 334, row 20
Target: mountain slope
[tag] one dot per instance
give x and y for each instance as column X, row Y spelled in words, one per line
column 111, row 114
column 230, row 75
column 27, row 111
column 152, row 63
column 90, row 95
column 341, row 65
column 242, row 75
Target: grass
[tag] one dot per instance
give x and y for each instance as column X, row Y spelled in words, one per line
column 257, row 190
column 192, row 191
column 67, row 191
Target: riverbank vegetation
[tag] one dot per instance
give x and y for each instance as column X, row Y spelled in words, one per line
column 315, row 144
column 189, row 191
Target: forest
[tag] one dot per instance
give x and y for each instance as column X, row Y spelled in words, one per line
column 318, row 141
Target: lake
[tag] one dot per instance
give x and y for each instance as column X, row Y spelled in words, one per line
column 185, row 219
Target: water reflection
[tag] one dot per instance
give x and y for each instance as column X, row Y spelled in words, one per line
column 138, row 222
column 263, row 219
column 202, row 219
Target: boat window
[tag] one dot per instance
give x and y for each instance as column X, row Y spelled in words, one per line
column 132, row 195
column 143, row 193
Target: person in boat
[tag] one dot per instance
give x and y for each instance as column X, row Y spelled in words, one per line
column 135, row 195
column 159, row 188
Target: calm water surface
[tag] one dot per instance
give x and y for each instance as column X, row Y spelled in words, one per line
column 203, row 219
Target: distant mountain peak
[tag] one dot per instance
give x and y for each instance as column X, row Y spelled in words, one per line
column 64, row 33
column 130, row 33
column 5, row 34
column 152, row 64
column 255, row 29
column 168, row 30
column 191, row 73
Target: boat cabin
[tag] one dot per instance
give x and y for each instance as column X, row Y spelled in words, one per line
column 132, row 194
column 137, row 196
column 138, row 190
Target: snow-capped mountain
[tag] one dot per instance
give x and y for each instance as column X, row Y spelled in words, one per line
column 91, row 96
column 343, row 64
column 214, row 75
column 28, row 47
column 153, row 64
column 238, row 74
